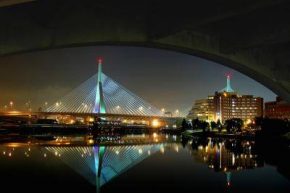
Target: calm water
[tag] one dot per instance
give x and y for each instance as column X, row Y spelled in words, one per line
column 155, row 163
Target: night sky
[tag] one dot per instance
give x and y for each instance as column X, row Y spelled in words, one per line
column 165, row 79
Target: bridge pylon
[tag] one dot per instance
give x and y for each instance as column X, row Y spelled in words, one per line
column 100, row 106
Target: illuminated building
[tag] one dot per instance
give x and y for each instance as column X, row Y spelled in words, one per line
column 231, row 105
column 203, row 109
column 227, row 104
column 278, row 109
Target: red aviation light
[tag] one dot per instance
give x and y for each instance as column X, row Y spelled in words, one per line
column 99, row 60
column 228, row 75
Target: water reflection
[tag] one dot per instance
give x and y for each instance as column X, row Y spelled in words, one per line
column 225, row 155
column 100, row 163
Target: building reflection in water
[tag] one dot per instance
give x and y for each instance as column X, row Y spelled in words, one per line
column 226, row 156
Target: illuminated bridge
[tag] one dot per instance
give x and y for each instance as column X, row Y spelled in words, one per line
column 101, row 96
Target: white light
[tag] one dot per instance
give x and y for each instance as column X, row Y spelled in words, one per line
column 140, row 151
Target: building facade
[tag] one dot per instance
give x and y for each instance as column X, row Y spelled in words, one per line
column 231, row 105
column 278, row 109
column 203, row 109
column 227, row 104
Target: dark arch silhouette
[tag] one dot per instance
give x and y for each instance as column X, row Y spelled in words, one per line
column 249, row 36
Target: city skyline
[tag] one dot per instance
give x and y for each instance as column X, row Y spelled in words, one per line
column 174, row 80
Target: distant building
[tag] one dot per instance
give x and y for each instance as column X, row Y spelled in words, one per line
column 168, row 114
column 227, row 104
column 203, row 109
column 278, row 109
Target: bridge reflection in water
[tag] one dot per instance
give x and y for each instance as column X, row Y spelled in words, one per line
column 100, row 164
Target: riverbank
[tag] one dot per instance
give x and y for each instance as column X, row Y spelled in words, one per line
column 199, row 133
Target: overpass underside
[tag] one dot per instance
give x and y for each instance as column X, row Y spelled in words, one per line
column 249, row 36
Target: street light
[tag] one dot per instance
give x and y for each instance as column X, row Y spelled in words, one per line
column 28, row 105
column 176, row 112
column 11, row 104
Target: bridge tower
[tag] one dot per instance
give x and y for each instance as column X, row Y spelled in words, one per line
column 100, row 106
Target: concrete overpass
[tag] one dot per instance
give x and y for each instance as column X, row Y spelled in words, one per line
column 249, row 36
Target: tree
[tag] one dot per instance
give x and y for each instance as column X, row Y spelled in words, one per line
column 203, row 125
column 184, row 124
column 213, row 125
column 234, row 125
column 195, row 124
column 219, row 125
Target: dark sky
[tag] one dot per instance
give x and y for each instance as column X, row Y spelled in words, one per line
column 163, row 78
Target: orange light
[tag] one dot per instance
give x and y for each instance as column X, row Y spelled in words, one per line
column 13, row 144
column 155, row 123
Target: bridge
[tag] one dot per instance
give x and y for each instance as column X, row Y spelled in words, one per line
column 102, row 97
column 249, row 36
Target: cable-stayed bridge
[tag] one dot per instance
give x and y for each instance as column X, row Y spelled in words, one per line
column 103, row 97
column 117, row 100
